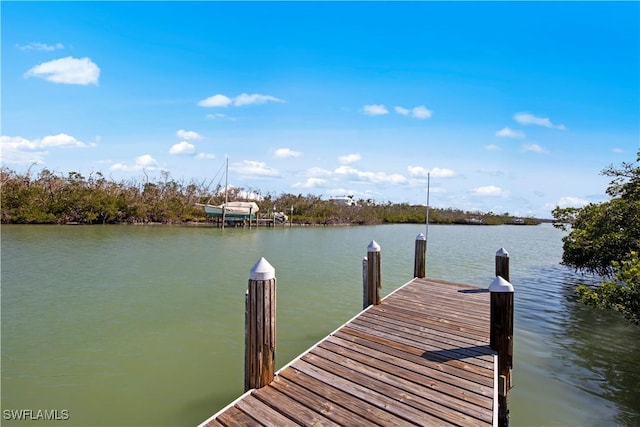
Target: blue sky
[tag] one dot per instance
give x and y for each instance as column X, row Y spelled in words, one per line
column 509, row 106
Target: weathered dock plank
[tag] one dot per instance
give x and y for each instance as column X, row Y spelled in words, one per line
column 421, row 357
column 365, row 412
column 417, row 356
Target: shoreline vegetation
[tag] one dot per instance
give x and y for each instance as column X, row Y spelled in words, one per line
column 51, row 198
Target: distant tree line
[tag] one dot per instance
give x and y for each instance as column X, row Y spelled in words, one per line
column 52, row 198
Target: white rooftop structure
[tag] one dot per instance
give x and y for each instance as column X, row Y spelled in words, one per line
column 343, row 200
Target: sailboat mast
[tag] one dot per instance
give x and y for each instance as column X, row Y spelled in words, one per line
column 226, row 192
column 427, row 222
column 226, row 183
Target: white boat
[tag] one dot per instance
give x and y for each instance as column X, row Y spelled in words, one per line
column 230, row 210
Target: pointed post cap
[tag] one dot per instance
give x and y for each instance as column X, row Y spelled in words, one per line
column 421, row 237
column 500, row 285
column 502, row 252
column 373, row 247
column 262, row 270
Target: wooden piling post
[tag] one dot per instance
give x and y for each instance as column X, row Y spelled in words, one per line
column 260, row 326
column 247, row 362
column 502, row 264
column 374, row 280
column 420, row 258
column 501, row 335
column 365, row 292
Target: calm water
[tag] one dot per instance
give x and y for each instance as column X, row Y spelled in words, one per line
column 143, row 325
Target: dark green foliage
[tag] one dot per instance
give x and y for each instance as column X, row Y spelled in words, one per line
column 605, row 232
column 605, row 239
column 600, row 234
column 621, row 294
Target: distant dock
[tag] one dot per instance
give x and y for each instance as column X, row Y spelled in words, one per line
column 273, row 221
column 431, row 353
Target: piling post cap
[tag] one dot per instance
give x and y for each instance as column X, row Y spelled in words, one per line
column 502, row 252
column 421, row 237
column 500, row 285
column 262, row 270
column 373, row 247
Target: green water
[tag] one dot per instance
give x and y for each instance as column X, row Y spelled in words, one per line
column 143, row 325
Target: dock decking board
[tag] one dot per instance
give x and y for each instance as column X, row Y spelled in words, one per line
column 422, row 357
column 440, row 339
column 395, row 366
column 416, row 356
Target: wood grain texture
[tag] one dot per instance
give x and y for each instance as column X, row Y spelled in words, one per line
column 421, row 357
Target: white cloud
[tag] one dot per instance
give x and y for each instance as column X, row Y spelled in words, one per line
column 419, row 171
column 205, row 156
column 618, row 150
column 375, row 110
column 442, row 173
column 535, row 148
column 283, row 153
column 509, row 133
column 573, row 202
column 490, row 190
column 421, row 112
column 310, row 183
column 61, row 140
column 67, row 70
column 220, row 100
column 373, row 177
column 490, row 172
column 253, row 168
column 492, row 147
column 216, row 116
column 182, row 148
column 146, row 161
column 349, row 158
column 254, row 98
column 141, row 162
column 530, row 119
column 188, row 134
column 15, row 149
column 402, row 111
column 316, row 171
column 41, row 46
column 215, row 101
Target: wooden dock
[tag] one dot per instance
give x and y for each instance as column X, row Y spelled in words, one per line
column 422, row 356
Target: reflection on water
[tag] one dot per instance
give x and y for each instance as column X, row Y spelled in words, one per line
column 601, row 353
column 128, row 325
column 591, row 354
